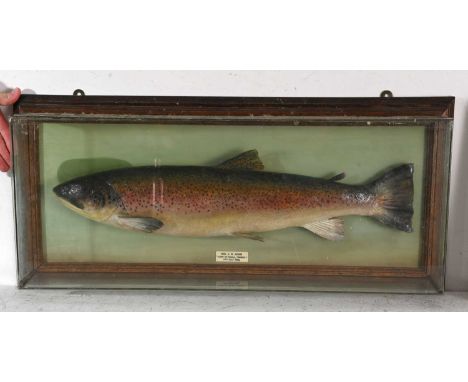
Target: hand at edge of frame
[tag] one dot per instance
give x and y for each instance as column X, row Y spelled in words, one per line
column 8, row 98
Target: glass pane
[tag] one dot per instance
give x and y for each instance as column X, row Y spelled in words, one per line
column 363, row 152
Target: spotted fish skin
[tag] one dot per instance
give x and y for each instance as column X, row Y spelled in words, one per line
column 202, row 201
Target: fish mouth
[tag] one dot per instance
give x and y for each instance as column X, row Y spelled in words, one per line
column 68, row 201
column 63, row 196
column 57, row 190
column 76, row 207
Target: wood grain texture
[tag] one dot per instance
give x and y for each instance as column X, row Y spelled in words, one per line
column 238, row 106
column 32, row 109
column 234, row 269
column 23, row 199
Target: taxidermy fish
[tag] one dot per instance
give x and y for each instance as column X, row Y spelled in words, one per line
column 235, row 198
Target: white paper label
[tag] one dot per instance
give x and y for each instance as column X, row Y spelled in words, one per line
column 232, row 257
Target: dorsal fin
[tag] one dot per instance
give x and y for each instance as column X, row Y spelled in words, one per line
column 248, row 160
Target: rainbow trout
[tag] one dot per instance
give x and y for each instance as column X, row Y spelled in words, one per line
column 236, row 198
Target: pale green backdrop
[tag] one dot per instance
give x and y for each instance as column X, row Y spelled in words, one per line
column 69, row 150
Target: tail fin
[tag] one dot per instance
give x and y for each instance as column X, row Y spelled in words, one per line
column 394, row 196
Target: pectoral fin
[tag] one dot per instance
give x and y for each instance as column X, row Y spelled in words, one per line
column 248, row 160
column 331, row 229
column 143, row 224
column 248, row 235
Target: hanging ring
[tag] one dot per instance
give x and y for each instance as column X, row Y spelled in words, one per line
column 386, row 94
column 78, row 92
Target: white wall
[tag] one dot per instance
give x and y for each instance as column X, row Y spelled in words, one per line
column 273, row 83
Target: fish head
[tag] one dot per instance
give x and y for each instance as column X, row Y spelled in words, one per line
column 91, row 197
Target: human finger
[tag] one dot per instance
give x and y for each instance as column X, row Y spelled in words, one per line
column 4, row 152
column 5, row 131
column 3, row 165
column 9, row 98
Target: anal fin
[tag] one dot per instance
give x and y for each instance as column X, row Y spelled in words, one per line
column 144, row 224
column 330, row 229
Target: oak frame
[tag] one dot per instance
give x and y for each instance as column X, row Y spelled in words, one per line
column 32, row 110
